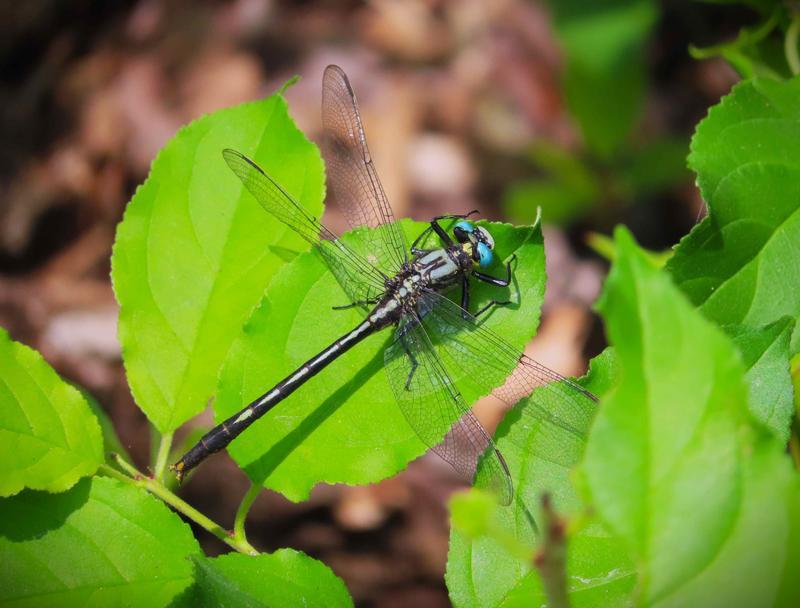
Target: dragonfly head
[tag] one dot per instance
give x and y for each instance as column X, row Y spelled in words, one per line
column 476, row 241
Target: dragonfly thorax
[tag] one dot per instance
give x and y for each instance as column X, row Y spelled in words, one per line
column 442, row 267
column 432, row 270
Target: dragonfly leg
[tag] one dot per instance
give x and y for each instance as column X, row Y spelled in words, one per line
column 490, row 305
column 354, row 304
column 441, row 232
column 412, row 358
column 464, row 296
column 455, row 216
column 494, row 280
column 422, row 235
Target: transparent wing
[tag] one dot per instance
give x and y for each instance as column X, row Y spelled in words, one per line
column 438, row 413
column 492, row 364
column 352, row 180
column 359, row 279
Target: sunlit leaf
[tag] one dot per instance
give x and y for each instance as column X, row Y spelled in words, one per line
column 194, row 252
column 487, row 565
column 283, row 578
column 344, row 426
column 102, row 543
column 49, row 437
column 765, row 353
column 741, row 264
column 674, row 464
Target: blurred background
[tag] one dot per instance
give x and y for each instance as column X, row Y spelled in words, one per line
column 584, row 109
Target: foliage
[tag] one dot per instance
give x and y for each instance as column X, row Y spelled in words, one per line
column 735, row 264
column 50, row 439
column 674, row 466
column 283, row 578
column 101, row 541
column 310, row 438
column 603, row 84
column 185, row 287
column 604, row 78
column 676, row 489
column 194, row 252
column 766, row 48
column 483, row 568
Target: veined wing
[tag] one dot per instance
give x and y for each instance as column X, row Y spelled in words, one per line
column 492, row 364
column 352, row 179
column 437, row 412
column 359, row 279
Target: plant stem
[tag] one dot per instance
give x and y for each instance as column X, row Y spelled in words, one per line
column 241, row 513
column 794, row 449
column 551, row 558
column 181, row 506
column 747, row 37
column 163, row 454
column 790, row 45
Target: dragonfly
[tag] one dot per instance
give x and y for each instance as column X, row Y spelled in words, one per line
column 405, row 288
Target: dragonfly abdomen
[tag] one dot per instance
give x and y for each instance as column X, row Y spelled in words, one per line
column 221, row 435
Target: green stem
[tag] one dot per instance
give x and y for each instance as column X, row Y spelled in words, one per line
column 181, row 506
column 747, row 37
column 241, row 513
column 794, row 449
column 551, row 558
column 163, row 454
column 790, row 45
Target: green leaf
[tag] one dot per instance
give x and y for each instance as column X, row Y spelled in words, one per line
column 758, row 562
column 604, row 79
column 111, row 441
column 560, row 202
column 673, row 465
column 486, row 565
column 103, row 543
column 49, row 438
column 740, row 265
column 194, row 252
column 653, row 167
column 761, row 6
column 568, row 190
column 283, row 578
column 765, row 353
column 754, row 52
column 344, row 426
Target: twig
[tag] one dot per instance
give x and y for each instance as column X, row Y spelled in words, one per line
column 241, row 513
column 135, row 478
column 551, row 557
column 163, row 454
column 790, row 44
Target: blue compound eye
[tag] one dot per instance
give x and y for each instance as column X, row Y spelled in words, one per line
column 485, row 255
column 465, row 226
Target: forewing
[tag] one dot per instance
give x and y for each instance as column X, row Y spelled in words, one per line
column 490, row 363
column 352, row 179
column 437, row 412
column 360, row 280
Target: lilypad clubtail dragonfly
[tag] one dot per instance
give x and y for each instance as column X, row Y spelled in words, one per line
column 402, row 287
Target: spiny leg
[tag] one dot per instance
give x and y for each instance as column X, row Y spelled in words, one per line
column 354, row 304
column 490, row 305
column 464, row 296
column 441, row 233
column 412, row 358
column 497, row 282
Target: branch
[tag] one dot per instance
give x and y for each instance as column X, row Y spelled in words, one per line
column 135, row 478
column 551, row 557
